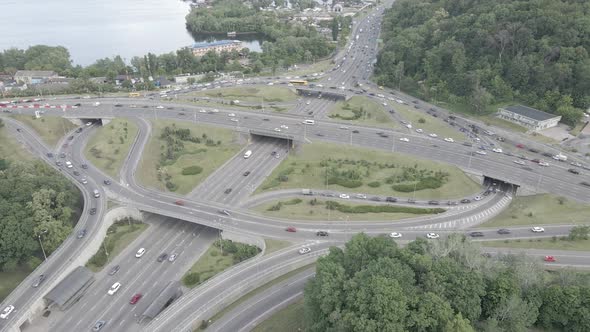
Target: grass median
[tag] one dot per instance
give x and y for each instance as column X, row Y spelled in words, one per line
column 180, row 155
column 286, row 319
column 10, row 149
column 427, row 122
column 541, row 210
column 319, row 209
column 109, row 146
column 273, row 245
column 251, row 93
column 352, row 169
column 49, row 128
column 221, row 255
column 119, row 236
column 362, row 110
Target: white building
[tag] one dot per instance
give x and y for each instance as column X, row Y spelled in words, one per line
column 528, row 117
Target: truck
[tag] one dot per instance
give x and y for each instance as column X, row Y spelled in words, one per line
column 560, row 157
column 307, row 192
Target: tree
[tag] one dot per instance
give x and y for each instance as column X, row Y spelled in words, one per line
column 335, row 25
column 579, row 233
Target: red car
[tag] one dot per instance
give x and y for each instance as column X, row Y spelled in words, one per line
column 135, row 298
column 179, row 202
column 520, row 146
column 291, row 229
column 549, row 259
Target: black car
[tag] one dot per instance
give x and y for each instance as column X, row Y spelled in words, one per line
column 81, row 233
column 38, row 281
column 77, row 104
column 246, row 173
column 228, row 190
column 573, row 171
column 76, row 173
column 274, row 153
column 433, row 202
column 452, row 203
column 84, row 166
column 355, row 131
column 70, row 138
column 118, row 105
column 114, row 270
column 391, row 199
column 79, row 130
column 533, row 150
column 547, row 154
column 50, row 155
column 476, row 234
column 181, row 113
column 62, row 155
column 321, row 233
column 465, row 201
column 319, row 134
column 503, row 231
column 162, row 257
column 107, row 182
column 58, row 163
column 584, row 183
column 266, row 119
column 410, row 200
column 467, row 144
column 93, row 211
column 375, row 199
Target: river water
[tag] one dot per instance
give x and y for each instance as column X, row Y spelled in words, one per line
column 94, row 29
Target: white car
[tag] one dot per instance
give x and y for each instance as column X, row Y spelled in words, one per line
column 520, row 162
column 231, row 115
column 215, row 110
column 6, row 312
column 88, row 124
column 361, row 196
column 284, row 127
column 84, row 181
column 234, row 120
column 172, row 257
column 277, row 130
column 344, row 127
column 404, row 139
column 432, row 236
column 159, row 107
column 304, row 250
column 409, row 126
column 384, row 104
column 419, row 130
column 448, row 139
column 395, row 235
column 114, row 288
column 271, row 83
column 140, row 252
column 497, row 150
column 202, row 111
column 477, row 198
column 433, row 135
column 538, row 229
column 543, row 163
column 483, row 153
column 344, row 196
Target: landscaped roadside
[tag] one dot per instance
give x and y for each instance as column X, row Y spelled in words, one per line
column 49, row 128
column 353, row 169
column 250, row 93
column 286, row 319
column 362, row 110
column 320, row 209
column 220, row 255
column 273, row 245
column 119, row 236
column 180, row 155
column 109, row 146
column 540, row 210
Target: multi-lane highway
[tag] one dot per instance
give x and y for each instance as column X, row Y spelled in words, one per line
column 212, row 205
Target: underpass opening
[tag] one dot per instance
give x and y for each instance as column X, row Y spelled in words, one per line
column 169, row 294
column 493, row 184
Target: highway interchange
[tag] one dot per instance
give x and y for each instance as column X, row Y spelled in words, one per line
column 193, row 226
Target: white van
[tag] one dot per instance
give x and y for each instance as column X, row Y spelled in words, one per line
column 309, row 122
column 247, row 154
column 96, row 193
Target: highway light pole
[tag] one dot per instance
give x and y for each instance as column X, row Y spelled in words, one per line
column 41, row 243
column 106, row 253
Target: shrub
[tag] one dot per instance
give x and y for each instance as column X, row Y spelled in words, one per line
column 294, row 201
column 171, row 186
column 192, row 170
column 33, row 262
column 374, row 184
column 380, row 209
column 192, row 279
column 429, row 182
column 421, row 120
column 347, row 183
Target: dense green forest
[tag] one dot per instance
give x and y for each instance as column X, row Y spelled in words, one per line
column 481, row 53
column 33, row 198
column 446, row 285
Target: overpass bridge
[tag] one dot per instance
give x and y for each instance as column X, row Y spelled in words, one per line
column 335, row 96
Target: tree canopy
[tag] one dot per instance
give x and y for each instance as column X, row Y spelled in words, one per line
column 372, row 285
column 34, row 200
column 483, row 52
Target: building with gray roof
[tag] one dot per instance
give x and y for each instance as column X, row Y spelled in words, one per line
column 528, row 117
column 70, row 289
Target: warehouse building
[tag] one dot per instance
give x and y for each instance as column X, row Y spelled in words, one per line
column 528, row 117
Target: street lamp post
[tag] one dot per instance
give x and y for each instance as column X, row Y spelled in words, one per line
column 41, row 243
column 106, row 253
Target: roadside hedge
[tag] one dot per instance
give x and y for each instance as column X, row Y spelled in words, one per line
column 332, row 205
column 192, row 170
column 425, row 183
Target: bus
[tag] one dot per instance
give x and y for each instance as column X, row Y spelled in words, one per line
column 133, row 94
column 298, row 82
